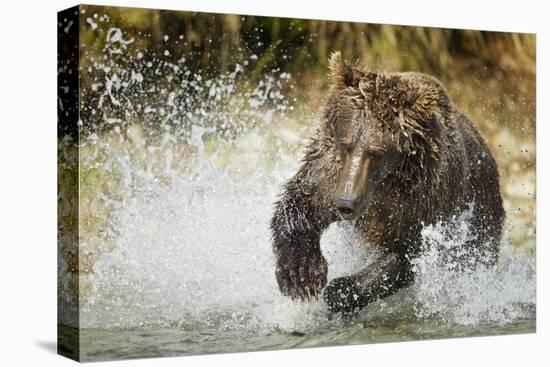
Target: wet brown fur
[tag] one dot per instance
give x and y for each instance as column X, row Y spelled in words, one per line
column 442, row 165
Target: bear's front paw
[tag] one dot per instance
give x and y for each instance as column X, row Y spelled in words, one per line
column 343, row 295
column 303, row 277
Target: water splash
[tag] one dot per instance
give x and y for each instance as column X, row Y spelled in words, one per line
column 197, row 253
column 484, row 295
column 188, row 209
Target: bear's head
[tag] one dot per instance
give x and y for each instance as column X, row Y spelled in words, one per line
column 385, row 129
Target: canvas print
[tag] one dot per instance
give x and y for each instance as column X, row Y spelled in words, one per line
column 231, row 183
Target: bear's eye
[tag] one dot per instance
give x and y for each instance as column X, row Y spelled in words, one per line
column 375, row 152
column 344, row 146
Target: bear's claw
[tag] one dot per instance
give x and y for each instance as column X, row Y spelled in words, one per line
column 343, row 296
column 303, row 278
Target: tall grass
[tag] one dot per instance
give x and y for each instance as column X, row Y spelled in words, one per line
column 213, row 42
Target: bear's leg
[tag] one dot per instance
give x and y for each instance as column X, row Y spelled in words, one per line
column 380, row 279
column 296, row 227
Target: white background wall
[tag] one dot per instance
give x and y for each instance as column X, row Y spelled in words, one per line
column 28, row 181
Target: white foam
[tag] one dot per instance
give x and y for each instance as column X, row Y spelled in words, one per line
column 197, row 249
column 487, row 294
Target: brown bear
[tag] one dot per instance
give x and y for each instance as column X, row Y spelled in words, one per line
column 392, row 154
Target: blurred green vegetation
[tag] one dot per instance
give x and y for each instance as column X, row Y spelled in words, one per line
column 213, row 43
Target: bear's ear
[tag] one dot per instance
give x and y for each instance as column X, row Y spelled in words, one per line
column 341, row 73
column 426, row 101
column 432, row 100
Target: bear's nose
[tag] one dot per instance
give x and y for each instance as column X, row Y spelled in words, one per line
column 346, row 207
